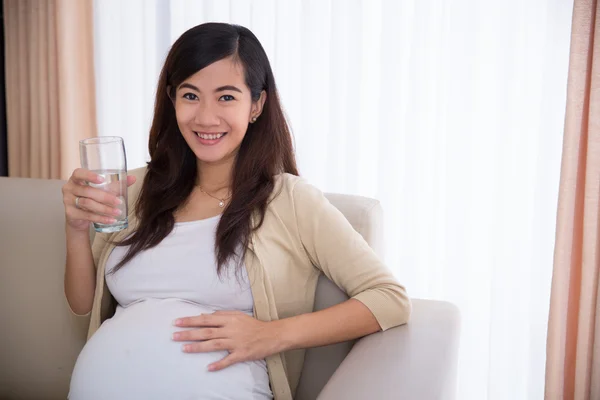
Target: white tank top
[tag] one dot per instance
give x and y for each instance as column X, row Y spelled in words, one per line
column 132, row 355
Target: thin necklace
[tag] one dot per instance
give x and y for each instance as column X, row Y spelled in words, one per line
column 221, row 201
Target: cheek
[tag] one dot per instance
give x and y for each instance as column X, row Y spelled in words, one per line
column 184, row 115
column 238, row 122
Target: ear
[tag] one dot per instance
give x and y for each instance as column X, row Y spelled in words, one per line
column 257, row 106
column 169, row 87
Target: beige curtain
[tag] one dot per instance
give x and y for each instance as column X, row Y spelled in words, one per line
column 49, row 85
column 573, row 347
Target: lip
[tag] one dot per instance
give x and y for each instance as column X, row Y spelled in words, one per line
column 209, row 142
column 209, row 133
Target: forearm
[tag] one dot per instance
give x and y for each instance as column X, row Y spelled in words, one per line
column 342, row 322
column 80, row 274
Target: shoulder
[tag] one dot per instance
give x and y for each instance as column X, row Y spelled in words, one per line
column 292, row 185
column 285, row 182
column 295, row 192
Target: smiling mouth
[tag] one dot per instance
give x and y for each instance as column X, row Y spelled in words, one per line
column 210, row 136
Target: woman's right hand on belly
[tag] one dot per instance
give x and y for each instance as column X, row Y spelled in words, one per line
column 94, row 205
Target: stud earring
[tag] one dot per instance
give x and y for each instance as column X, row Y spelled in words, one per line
column 253, row 119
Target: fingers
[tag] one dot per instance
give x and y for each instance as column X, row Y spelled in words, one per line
column 100, row 204
column 77, row 214
column 215, row 345
column 199, row 334
column 131, row 180
column 202, row 320
column 208, row 346
column 97, row 207
column 224, row 363
column 116, row 188
column 81, row 176
column 92, row 199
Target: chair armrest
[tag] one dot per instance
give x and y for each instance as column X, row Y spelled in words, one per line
column 417, row 360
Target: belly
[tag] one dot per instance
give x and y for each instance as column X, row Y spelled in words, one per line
column 132, row 356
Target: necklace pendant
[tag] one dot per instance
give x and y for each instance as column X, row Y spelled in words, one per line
column 221, row 204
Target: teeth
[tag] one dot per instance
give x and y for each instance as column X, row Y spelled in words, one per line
column 210, row 136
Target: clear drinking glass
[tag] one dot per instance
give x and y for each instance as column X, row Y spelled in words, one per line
column 105, row 156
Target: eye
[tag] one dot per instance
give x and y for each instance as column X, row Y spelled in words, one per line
column 226, row 97
column 190, row 96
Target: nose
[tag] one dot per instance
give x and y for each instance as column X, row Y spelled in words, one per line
column 206, row 114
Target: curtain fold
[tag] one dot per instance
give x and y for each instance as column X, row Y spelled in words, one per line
column 50, row 91
column 3, row 143
column 573, row 346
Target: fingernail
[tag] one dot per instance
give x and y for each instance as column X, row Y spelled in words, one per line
column 100, row 179
column 118, row 212
column 175, row 336
column 119, row 201
column 112, row 220
column 177, row 322
column 211, row 368
column 186, row 347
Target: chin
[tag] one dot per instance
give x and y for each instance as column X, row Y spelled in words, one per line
column 209, row 158
column 212, row 157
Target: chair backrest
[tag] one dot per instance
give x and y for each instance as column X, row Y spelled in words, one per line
column 41, row 338
column 366, row 216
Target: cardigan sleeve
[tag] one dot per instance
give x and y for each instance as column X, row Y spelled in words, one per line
column 345, row 258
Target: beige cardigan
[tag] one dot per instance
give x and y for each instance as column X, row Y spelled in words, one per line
column 302, row 236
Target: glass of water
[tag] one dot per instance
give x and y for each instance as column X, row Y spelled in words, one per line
column 105, row 156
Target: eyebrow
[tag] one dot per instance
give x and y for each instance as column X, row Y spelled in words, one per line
column 219, row 89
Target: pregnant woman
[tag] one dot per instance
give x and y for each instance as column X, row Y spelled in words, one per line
column 208, row 294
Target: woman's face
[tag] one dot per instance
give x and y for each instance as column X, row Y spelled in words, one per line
column 213, row 108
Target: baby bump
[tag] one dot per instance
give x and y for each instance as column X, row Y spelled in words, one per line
column 133, row 356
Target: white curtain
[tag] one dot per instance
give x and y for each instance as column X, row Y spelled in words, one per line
column 448, row 112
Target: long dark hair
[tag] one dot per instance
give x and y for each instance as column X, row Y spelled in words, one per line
column 265, row 151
